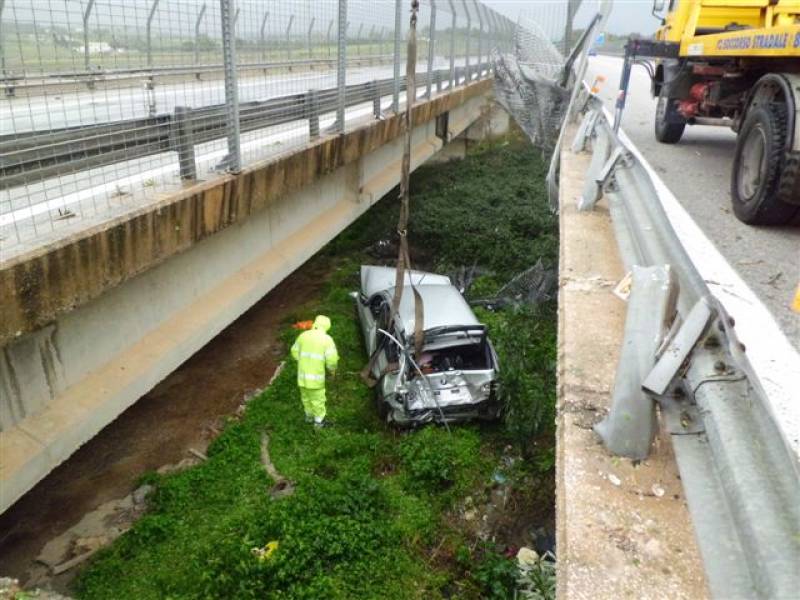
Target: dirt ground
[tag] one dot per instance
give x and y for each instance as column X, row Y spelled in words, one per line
column 179, row 414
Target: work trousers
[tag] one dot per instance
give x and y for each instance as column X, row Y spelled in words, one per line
column 313, row 402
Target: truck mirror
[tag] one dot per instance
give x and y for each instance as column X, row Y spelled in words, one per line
column 658, row 6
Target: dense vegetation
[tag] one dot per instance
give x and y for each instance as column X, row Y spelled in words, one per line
column 376, row 513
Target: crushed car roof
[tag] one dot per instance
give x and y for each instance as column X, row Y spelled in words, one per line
column 443, row 305
column 377, row 279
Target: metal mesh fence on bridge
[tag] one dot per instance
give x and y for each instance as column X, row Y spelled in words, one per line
column 109, row 105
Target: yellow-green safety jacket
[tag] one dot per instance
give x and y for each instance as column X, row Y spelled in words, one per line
column 314, row 350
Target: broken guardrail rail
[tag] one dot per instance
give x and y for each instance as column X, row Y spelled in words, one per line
column 740, row 477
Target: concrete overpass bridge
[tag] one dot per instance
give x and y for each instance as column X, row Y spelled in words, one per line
column 94, row 320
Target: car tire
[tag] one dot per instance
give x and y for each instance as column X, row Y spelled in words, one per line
column 668, row 125
column 381, row 406
column 760, row 167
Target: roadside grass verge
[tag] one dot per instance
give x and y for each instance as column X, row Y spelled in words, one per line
column 376, row 513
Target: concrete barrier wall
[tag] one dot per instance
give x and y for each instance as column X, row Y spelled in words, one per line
column 210, row 254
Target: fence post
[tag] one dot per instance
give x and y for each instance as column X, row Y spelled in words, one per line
column 2, row 50
column 183, row 142
column 490, row 18
column 310, row 30
column 341, row 63
column 431, row 52
column 150, row 32
column 452, row 45
column 288, row 39
column 358, row 37
column 86, row 14
column 233, row 162
column 328, row 38
column 312, row 112
column 398, row 24
column 263, row 37
column 376, row 99
column 199, row 20
column 480, row 37
column 467, row 76
column 370, row 45
column 572, row 7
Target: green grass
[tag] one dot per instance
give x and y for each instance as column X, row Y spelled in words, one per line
column 376, row 511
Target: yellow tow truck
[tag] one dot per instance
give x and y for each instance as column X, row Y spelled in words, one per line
column 733, row 63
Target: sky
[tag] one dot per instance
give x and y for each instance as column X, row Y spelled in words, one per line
column 627, row 16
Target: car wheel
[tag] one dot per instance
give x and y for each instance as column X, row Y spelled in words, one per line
column 381, row 406
column 669, row 122
column 758, row 166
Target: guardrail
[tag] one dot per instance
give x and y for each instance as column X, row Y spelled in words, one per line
column 741, row 478
column 12, row 82
column 33, row 156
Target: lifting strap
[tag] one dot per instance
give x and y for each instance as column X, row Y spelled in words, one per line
column 403, row 258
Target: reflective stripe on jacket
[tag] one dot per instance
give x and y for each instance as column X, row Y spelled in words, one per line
column 314, row 351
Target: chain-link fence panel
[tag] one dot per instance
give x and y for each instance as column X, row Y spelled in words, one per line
column 110, row 105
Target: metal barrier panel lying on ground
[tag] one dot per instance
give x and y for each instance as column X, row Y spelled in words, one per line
column 109, row 104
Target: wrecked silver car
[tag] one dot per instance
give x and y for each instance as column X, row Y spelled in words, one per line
column 454, row 378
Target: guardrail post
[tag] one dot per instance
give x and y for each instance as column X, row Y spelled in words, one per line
column 630, row 427
column 150, row 16
column 467, row 74
column 312, row 112
column 86, row 14
column 375, row 92
column 183, row 142
column 452, row 44
column 480, row 37
column 431, row 49
column 197, row 23
column 288, row 38
column 310, row 31
column 341, row 64
column 398, row 25
column 233, row 162
column 263, row 36
column 438, row 80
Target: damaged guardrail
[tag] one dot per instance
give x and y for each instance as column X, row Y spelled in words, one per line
column 681, row 353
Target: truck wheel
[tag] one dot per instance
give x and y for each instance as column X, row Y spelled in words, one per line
column 758, row 165
column 669, row 124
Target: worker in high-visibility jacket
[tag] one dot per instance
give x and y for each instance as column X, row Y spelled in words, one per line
column 315, row 353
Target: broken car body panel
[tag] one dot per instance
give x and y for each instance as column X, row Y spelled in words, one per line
column 455, row 376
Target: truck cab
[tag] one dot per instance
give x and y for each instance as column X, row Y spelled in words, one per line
column 736, row 63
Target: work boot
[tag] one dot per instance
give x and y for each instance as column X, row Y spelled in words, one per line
column 322, row 424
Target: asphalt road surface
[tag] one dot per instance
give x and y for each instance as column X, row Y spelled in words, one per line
column 697, row 171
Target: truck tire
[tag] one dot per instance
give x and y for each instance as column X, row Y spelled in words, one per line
column 669, row 124
column 759, row 165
